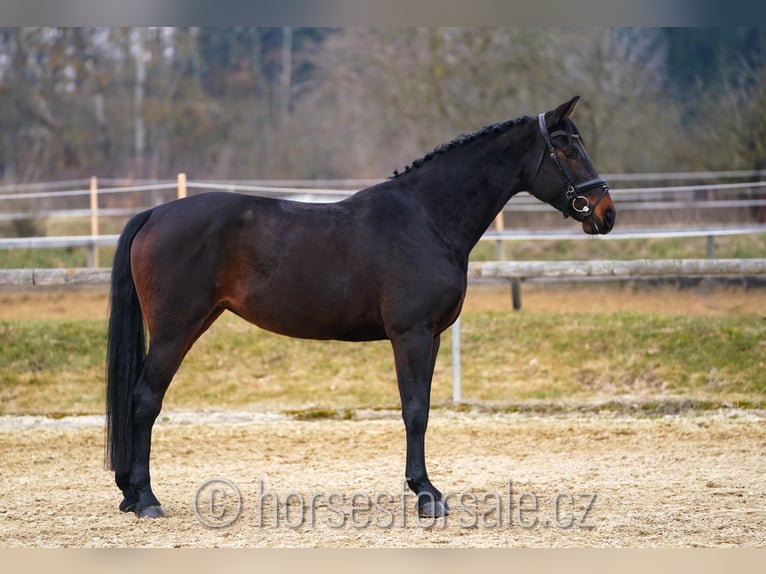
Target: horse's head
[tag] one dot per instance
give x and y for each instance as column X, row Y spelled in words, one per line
column 562, row 175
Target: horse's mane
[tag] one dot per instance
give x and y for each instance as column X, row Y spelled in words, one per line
column 459, row 141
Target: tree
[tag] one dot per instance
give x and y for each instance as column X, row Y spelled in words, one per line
column 412, row 89
column 316, row 102
column 43, row 66
column 709, row 58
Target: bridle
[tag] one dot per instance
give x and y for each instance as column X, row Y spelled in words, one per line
column 577, row 205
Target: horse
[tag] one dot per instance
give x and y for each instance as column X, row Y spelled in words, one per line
column 388, row 262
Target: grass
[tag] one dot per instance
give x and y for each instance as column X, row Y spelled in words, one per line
column 51, row 366
column 511, row 361
column 735, row 246
column 57, row 257
column 52, row 258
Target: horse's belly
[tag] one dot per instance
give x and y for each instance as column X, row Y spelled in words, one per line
column 312, row 312
column 315, row 326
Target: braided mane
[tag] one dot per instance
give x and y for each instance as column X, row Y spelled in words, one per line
column 459, row 141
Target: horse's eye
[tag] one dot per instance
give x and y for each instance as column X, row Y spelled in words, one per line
column 570, row 152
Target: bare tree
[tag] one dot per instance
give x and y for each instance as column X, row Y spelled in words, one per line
column 404, row 91
column 139, row 56
column 250, row 102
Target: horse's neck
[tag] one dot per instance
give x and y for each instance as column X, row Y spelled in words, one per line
column 465, row 193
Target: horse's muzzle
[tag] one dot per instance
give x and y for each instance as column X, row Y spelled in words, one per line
column 602, row 220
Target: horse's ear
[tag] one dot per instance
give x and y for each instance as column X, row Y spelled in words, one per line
column 562, row 112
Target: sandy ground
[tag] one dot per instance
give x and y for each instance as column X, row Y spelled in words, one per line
column 514, row 480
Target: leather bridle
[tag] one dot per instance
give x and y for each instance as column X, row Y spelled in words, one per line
column 576, row 204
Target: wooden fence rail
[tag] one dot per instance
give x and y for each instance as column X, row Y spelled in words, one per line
column 613, row 268
column 53, row 277
column 480, row 270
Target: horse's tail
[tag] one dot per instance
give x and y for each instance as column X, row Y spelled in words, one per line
column 126, row 351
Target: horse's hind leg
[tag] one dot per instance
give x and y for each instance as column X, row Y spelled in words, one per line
column 162, row 361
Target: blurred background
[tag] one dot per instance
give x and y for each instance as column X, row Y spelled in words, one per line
column 675, row 118
column 305, row 103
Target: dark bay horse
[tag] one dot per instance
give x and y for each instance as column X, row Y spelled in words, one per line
column 389, row 262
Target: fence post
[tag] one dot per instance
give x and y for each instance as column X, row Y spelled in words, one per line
column 516, row 293
column 499, row 226
column 94, row 259
column 181, row 185
column 456, row 382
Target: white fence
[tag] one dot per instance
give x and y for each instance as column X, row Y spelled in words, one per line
column 96, row 199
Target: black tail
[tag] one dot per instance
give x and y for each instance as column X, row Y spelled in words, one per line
column 126, row 350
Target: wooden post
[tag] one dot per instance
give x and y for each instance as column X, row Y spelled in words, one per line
column 499, row 226
column 94, row 259
column 181, row 185
column 516, row 293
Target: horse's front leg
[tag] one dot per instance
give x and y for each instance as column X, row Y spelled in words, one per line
column 415, row 355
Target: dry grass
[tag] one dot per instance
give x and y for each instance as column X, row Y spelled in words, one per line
column 92, row 303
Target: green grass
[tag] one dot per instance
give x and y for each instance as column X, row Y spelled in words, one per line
column 509, row 360
column 735, row 246
column 48, row 258
column 57, row 257
column 51, row 366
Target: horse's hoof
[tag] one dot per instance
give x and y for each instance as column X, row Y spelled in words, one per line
column 154, row 511
column 434, row 509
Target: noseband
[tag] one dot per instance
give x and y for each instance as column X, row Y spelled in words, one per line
column 577, row 205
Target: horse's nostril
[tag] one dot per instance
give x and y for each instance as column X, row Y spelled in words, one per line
column 609, row 217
